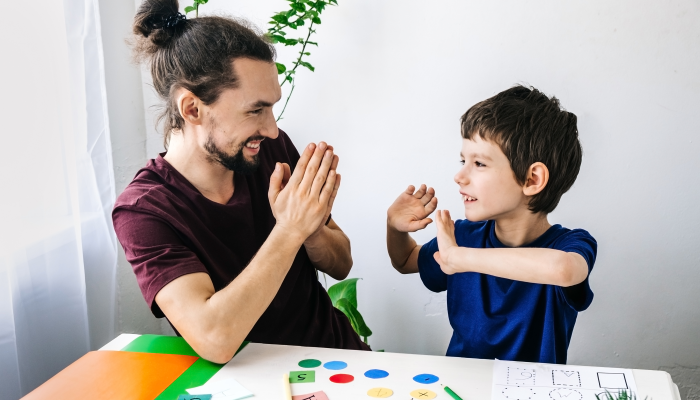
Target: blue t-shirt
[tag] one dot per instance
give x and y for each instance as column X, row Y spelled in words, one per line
column 509, row 320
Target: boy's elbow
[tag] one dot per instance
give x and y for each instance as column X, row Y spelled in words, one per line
column 569, row 273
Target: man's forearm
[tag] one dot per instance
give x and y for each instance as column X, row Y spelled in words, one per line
column 216, row 324
column 329, row 251
column 534, row 265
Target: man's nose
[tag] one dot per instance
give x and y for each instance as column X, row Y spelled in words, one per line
column 269, row 126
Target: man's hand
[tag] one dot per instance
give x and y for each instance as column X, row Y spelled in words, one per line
column 446, row 241
column 410, row 210
column 300, row 201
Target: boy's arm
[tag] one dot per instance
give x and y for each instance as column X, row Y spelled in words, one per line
column 534, row 265
column 408, row 214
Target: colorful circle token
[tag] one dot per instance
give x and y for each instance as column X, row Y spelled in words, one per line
column 423, row 394
column 376, row 374
column 342, row 378
column 309, row 363
column 426, row 378
column 380, row 393
column 335, row 365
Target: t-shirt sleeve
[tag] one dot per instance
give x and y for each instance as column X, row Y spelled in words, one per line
column 580, row 296
column 430, row 273
column 156, row 253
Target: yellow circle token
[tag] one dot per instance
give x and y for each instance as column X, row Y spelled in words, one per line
column 380, row 393
column 423, row 394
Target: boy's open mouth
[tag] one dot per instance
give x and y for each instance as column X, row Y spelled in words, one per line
column 468, row 198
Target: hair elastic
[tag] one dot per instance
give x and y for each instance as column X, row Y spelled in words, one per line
column 167, row 21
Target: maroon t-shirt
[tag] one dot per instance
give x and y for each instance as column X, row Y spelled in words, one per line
column 169, row 229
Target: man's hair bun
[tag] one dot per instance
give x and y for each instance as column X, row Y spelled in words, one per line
column 157, row 21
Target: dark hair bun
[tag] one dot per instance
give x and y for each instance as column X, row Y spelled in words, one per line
column 158, row 21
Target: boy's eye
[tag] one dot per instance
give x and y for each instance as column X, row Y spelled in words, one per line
column 461, row 162
column 478, row 164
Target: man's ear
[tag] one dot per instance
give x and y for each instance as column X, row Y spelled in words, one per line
column 537, row 178
column 190, row 107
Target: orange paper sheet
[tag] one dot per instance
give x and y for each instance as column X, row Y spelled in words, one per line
column 114, row 375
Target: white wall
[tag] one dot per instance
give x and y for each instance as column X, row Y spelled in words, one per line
column 393, row 78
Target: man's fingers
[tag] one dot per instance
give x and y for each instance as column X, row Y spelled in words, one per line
column 287, row 174
column 334, row 164
column 334, row 193
column 304, row 159
column 328, row 188
column 312, row 167
column 275, row 183
column 323, row 172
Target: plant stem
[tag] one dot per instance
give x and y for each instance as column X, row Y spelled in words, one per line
column 301, row 55
column 279, row 117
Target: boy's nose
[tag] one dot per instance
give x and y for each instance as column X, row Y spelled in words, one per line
column 461, row 177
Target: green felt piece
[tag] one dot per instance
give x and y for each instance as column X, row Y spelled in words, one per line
column 196, row 375
column 302, row 376
column 160, row 344
column 309, row 363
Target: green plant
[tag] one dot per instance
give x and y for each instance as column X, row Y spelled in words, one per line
column 344, row 297
column 621, row 395
column 299, row 14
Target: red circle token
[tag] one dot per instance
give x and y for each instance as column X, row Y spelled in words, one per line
column 342, row 378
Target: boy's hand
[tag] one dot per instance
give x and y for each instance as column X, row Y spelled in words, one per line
column 410, row 210
column 446, row 241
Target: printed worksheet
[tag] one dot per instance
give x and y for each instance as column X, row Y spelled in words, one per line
column 531, row 381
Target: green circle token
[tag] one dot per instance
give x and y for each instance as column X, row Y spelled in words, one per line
column 310, row 363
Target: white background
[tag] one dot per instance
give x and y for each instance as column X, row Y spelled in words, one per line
column 392, row 79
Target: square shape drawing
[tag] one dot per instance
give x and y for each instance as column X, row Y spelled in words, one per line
column 612, row 380
column 302, row 376
column 520, row 376
column 566, row 378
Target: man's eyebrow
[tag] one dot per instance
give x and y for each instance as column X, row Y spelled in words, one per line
column 261, row 103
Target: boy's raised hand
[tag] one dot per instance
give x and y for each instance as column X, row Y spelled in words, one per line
column 446, row 240
column 410, row 210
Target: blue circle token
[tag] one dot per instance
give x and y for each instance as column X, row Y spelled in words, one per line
column 376, row 374
column 335, row 365
column 426, row 378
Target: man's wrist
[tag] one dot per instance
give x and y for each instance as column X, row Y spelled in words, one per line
column 290, row 234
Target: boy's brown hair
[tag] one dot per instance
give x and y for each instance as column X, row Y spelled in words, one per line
column 530, row 127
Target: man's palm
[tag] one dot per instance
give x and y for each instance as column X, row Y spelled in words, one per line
column 410, row 210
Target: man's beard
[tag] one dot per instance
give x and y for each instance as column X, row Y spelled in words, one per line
column 236, row 162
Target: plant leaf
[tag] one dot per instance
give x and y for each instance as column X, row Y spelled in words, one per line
column 312, row 69
column 189, row 9
column 346, row 289
column 280, row 68
column 298, row 7
column 356, row 320
column 316, row 20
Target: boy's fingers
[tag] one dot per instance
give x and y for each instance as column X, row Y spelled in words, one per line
column 429, row 194
column 431, row 206
column 410, row 189
column 299, row 170
column 421, row 192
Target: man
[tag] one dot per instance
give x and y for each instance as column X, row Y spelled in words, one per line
column 223, row 237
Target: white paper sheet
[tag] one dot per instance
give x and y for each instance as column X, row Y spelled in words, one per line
column 529, row 381
column 228, row 389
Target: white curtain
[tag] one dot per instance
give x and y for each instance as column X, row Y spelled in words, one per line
column 57, row 246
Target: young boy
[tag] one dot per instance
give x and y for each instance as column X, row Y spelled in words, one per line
column 515, row 283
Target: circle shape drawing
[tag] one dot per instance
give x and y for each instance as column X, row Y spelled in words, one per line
column 376, row 374
column 335, row 365
column 309, row 363
column 426, row 378
column 423, row 394
column 380, row 393
column 342, row 378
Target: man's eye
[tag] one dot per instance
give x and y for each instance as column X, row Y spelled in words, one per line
column 258, row 111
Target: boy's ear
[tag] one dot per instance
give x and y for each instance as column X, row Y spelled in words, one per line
column 190, row 107
column 537, row 178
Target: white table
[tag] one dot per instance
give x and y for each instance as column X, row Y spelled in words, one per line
column 259, row 367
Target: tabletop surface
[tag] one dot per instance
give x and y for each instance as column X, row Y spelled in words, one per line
column 260, row 367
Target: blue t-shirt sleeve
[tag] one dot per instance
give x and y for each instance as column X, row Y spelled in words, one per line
column 430, row 273
column 579, row 241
